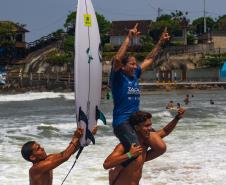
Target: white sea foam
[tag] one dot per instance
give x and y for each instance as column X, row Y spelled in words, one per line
column 69, row 96
column 30, row 96
column 195, row 149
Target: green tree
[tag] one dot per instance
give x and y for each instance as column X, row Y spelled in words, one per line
column 180, row 17
column 174, row 22
column 7, row 33
column 221, row 23
column 157, row 28
column 198, row 24
column 108, row 47
column 69, row 44
column 147, row 43
column 70, row 23
column 191, row 38
column 214, row 60
column 104, row 26
column 58, row 33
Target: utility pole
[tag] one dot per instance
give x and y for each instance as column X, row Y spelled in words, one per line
column 159, row 12
column 204, row 16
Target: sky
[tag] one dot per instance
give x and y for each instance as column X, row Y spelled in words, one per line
column 45, row 16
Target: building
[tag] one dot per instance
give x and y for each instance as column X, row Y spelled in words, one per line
column 120, row 30
column 12, row 40
column 180, row 36
column 219, row 39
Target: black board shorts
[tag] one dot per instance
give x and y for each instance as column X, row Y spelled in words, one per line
column 127, row 136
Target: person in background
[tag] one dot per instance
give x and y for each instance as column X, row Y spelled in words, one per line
column 186, row 99
column 170, row 105
column 175, row 76
column 211, row 102
column 178, row 105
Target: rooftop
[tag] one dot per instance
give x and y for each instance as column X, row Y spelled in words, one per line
column 11, row 25
column 121, row 27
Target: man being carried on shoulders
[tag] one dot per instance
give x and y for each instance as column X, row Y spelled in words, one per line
column 131, row 174
column 124, row 82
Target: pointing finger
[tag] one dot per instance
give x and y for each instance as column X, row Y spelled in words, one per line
column 136, row 25
column 165, row 29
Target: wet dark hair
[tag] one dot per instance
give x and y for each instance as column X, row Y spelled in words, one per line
column 139, row 117
column 26, row 150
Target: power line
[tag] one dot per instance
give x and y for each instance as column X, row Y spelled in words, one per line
column 149, row 3
column 43, row 27
column 204, row 15
column 117, row 12
column 182, row 10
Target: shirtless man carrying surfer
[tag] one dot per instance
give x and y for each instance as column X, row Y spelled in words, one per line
column 131, row 174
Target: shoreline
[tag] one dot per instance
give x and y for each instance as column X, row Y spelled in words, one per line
column 145, row 89
column 173, row 86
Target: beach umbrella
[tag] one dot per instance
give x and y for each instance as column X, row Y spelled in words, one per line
column 223, row 71
column 2, row 75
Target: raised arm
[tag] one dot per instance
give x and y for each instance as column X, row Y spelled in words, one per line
column 171, row 125
column 154, row 153
column 151, row 56
column 122, row 50
column 118, row 156
column 54, row 160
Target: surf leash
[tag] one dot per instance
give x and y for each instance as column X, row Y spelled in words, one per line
column 76, row 158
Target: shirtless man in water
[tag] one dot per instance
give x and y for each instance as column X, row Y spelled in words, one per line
column 131, row 174
column 41, row 173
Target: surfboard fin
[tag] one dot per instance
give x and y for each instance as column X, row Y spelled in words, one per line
column 100, row 115
column 90, row 136
column 82, row 116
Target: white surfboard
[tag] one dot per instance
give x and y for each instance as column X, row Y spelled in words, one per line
column 88, row 70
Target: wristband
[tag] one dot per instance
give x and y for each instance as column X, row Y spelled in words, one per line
column 73, row 144
column 129, row 155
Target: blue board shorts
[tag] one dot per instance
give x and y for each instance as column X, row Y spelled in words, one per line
column 127, row 136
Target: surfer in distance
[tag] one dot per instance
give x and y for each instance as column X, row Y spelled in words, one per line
column 132, row 173
column 170, row 105
column 41, row 172
column 211, row 102
column 125, row 88
column 186, row 99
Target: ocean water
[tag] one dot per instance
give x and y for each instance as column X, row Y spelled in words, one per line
column 196, row 149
